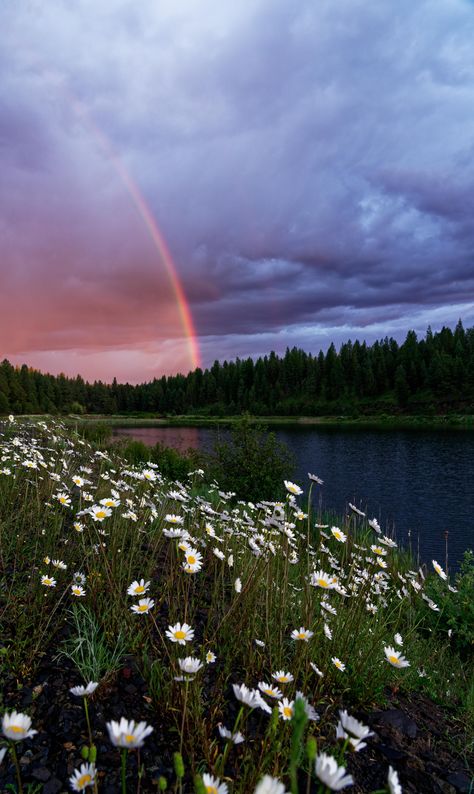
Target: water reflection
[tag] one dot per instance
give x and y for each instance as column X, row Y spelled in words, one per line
column 419, row 484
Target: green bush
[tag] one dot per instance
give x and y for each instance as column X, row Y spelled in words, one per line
column 456, row 609
column 252, row 464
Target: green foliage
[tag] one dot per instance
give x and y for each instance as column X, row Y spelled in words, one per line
column 457, row 609
column 98, row 433
column 172, row 464
column 88, row 647
column 252, row 464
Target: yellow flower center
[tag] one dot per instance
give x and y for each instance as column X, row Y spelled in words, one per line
column 269, row 692
column 139, row 589
column 301, row 635
column 180, row 635
column 129, row 738
column 283, row 679
column 211, row 790
column 47, row 581
column 84, row 780
column 76, row 590
column 17, row 729
column 394, row 659
column 100, row 514
column 143, row 608
column 191, row 560
column 323, row 583
column 288, row 711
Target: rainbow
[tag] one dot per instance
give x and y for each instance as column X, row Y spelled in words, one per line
column 152, row 227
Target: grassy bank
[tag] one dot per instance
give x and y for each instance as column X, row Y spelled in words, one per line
column 388, row 422
column 172, row 596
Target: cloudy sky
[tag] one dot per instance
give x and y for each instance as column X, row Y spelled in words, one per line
column 309, row 165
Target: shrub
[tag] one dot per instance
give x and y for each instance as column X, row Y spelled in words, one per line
column 252, row 463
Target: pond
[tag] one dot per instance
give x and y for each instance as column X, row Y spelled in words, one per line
column 419, row 484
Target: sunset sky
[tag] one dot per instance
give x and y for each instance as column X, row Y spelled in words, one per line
column 267, row 172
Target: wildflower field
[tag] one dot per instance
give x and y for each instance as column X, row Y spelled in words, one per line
column 165, row 636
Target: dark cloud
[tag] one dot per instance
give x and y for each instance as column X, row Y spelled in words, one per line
column 310, row 167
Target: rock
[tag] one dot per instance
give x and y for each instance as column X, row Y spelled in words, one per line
column 41, row 773
column 397, row 718
column 53, row 786
column 461, row 782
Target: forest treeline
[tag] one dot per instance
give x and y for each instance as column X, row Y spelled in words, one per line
column 421, row 376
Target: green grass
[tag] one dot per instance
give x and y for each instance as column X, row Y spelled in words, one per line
column 273, row 549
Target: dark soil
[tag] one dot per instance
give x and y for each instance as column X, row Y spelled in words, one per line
column 425, row 743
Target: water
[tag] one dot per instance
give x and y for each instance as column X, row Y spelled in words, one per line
column 418, row 484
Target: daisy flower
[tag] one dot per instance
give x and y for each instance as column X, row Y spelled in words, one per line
column 285, row 707
column 302, row 634
column 292, row 488
column 83, row 777
column 99, row 512
column 395, row 658
column 180, row 633
column 350, row 728
column 246, row 695
column 398, row 639
column 269, row 785
column 330, row 773
column 128, row 734
column 48, row 581
column 190, row 664
column 321, row 579
column 110, row 502
column 193, row 558
column 84, row 691
column 63, row 499
column 77, row 590
column 316, row 669
column 393, row 782
column 271, row 691
column 236, row 738
column 78, row 481
column 138, row 588
column 173, row 519
column 337, row 663
column 338, row 534
column 439, row 569
column 144, row 605
column 327, row 631
column 210, row 657
column 213, row 784
column 282, row 677
column 17, row 726
column 238, row 585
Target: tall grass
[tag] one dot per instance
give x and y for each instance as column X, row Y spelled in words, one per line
column 259, row 582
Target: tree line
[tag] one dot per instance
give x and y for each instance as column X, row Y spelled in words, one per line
column 426, row 376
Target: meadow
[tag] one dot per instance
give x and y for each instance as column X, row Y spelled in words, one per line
column 167, row 636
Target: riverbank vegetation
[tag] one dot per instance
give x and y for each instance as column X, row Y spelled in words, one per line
column 251, row 638
column 428, row 377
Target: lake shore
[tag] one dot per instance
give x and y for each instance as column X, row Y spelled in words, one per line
column 386, row 422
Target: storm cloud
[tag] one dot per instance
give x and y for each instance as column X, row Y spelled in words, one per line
column 310, row 166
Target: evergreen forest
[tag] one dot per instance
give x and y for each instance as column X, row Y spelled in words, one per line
column 429, row 376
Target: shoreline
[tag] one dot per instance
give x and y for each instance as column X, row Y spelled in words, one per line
column 445, row 422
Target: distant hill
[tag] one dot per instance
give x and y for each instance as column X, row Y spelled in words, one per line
column 421, row 376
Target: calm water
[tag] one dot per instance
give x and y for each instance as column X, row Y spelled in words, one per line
column 420, row 483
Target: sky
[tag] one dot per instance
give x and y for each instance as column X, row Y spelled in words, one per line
column 188, row 181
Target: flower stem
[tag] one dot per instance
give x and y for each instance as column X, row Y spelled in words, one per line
column 124, row 771
column 17, row 767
